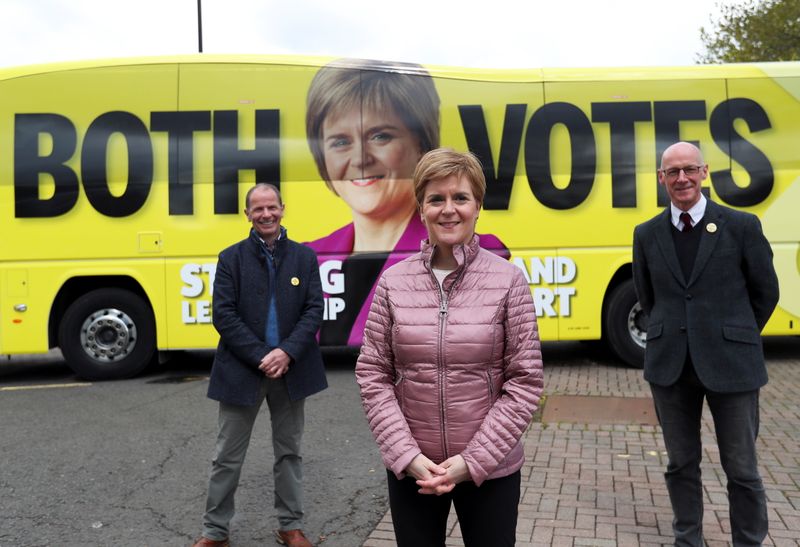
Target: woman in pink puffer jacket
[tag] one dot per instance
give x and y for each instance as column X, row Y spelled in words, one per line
column 451, row 369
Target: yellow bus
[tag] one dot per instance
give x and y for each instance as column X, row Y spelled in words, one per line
column 121, row 180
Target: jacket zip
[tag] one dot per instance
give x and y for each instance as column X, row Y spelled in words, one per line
column 443, row 305
column 440, row 367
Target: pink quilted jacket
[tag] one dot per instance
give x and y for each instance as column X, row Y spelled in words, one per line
column 451, row 372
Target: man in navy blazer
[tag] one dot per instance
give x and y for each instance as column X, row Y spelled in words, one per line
column 704, row 274
column 267, row 309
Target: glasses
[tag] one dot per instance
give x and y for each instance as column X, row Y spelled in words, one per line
column 674, row 172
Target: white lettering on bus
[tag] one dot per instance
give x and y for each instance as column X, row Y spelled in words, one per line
column 194, row 276
column 193, row 283
column 550, row 302
column 190, row 275
column 200, row 313
column 331, row 276
column 550, row 269
column 333, row 306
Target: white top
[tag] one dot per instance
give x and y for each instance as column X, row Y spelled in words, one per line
column 440, row 275
column 696, row 212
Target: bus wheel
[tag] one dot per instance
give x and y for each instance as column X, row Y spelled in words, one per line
column 625, row 325
column 107, row 334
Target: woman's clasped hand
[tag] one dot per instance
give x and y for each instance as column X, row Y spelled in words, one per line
column 438, row 478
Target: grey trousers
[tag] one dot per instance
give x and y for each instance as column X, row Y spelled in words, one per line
column 736, row 421
column 235, row 429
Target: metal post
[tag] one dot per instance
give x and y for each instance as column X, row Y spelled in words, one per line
column 199, row 27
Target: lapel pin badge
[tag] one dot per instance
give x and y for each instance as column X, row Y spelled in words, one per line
column 295, row 281
column 711, row 227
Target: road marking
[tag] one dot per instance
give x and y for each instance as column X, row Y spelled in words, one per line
column 44, row 386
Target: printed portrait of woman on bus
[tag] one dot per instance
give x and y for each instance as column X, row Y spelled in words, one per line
column 368, row 123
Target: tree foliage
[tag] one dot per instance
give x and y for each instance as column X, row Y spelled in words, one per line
column 753, row 31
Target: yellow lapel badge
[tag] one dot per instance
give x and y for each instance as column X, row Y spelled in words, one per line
column 710, row 228
column 295, row 281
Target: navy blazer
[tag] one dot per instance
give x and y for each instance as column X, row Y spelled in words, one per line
column 240, row 304
column 718, row 313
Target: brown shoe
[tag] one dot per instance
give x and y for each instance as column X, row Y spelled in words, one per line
column 292, row 538
column 205, row 542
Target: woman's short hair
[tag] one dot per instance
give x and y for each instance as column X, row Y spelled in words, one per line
column 445, row 162
column 405, row 88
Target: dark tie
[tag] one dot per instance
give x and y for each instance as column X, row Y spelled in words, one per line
column 686, row 218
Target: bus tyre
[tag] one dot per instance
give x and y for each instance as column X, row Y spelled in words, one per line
column 107, row 334
column 625, row 325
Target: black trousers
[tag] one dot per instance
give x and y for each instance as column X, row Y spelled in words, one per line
column 487, row 514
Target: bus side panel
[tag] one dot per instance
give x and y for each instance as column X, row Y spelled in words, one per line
column 251, row 90
column 81, row 189
column 777, row 138
column 571, row 168
column 586, row 275
column 93, row 133
column 27, row 332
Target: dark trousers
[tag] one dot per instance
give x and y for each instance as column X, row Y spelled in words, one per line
column 487, row 514
column 679, row 408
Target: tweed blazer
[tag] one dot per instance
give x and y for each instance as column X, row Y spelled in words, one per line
column 716, row 315
column 241, row 301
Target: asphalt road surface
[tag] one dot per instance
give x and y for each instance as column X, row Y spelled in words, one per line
column 127, row 462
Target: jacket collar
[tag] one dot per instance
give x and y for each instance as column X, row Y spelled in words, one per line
column 463, row 253
column 259, row 244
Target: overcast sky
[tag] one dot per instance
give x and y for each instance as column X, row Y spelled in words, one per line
column 487, row 33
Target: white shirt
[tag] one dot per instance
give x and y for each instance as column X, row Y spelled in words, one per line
column 440, row 275
column 696, row 212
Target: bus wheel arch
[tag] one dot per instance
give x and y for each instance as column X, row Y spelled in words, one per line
column 624, row 321
column 105, row 333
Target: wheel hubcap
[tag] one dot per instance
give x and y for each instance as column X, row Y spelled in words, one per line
column 637, row 325
column 108, row 335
